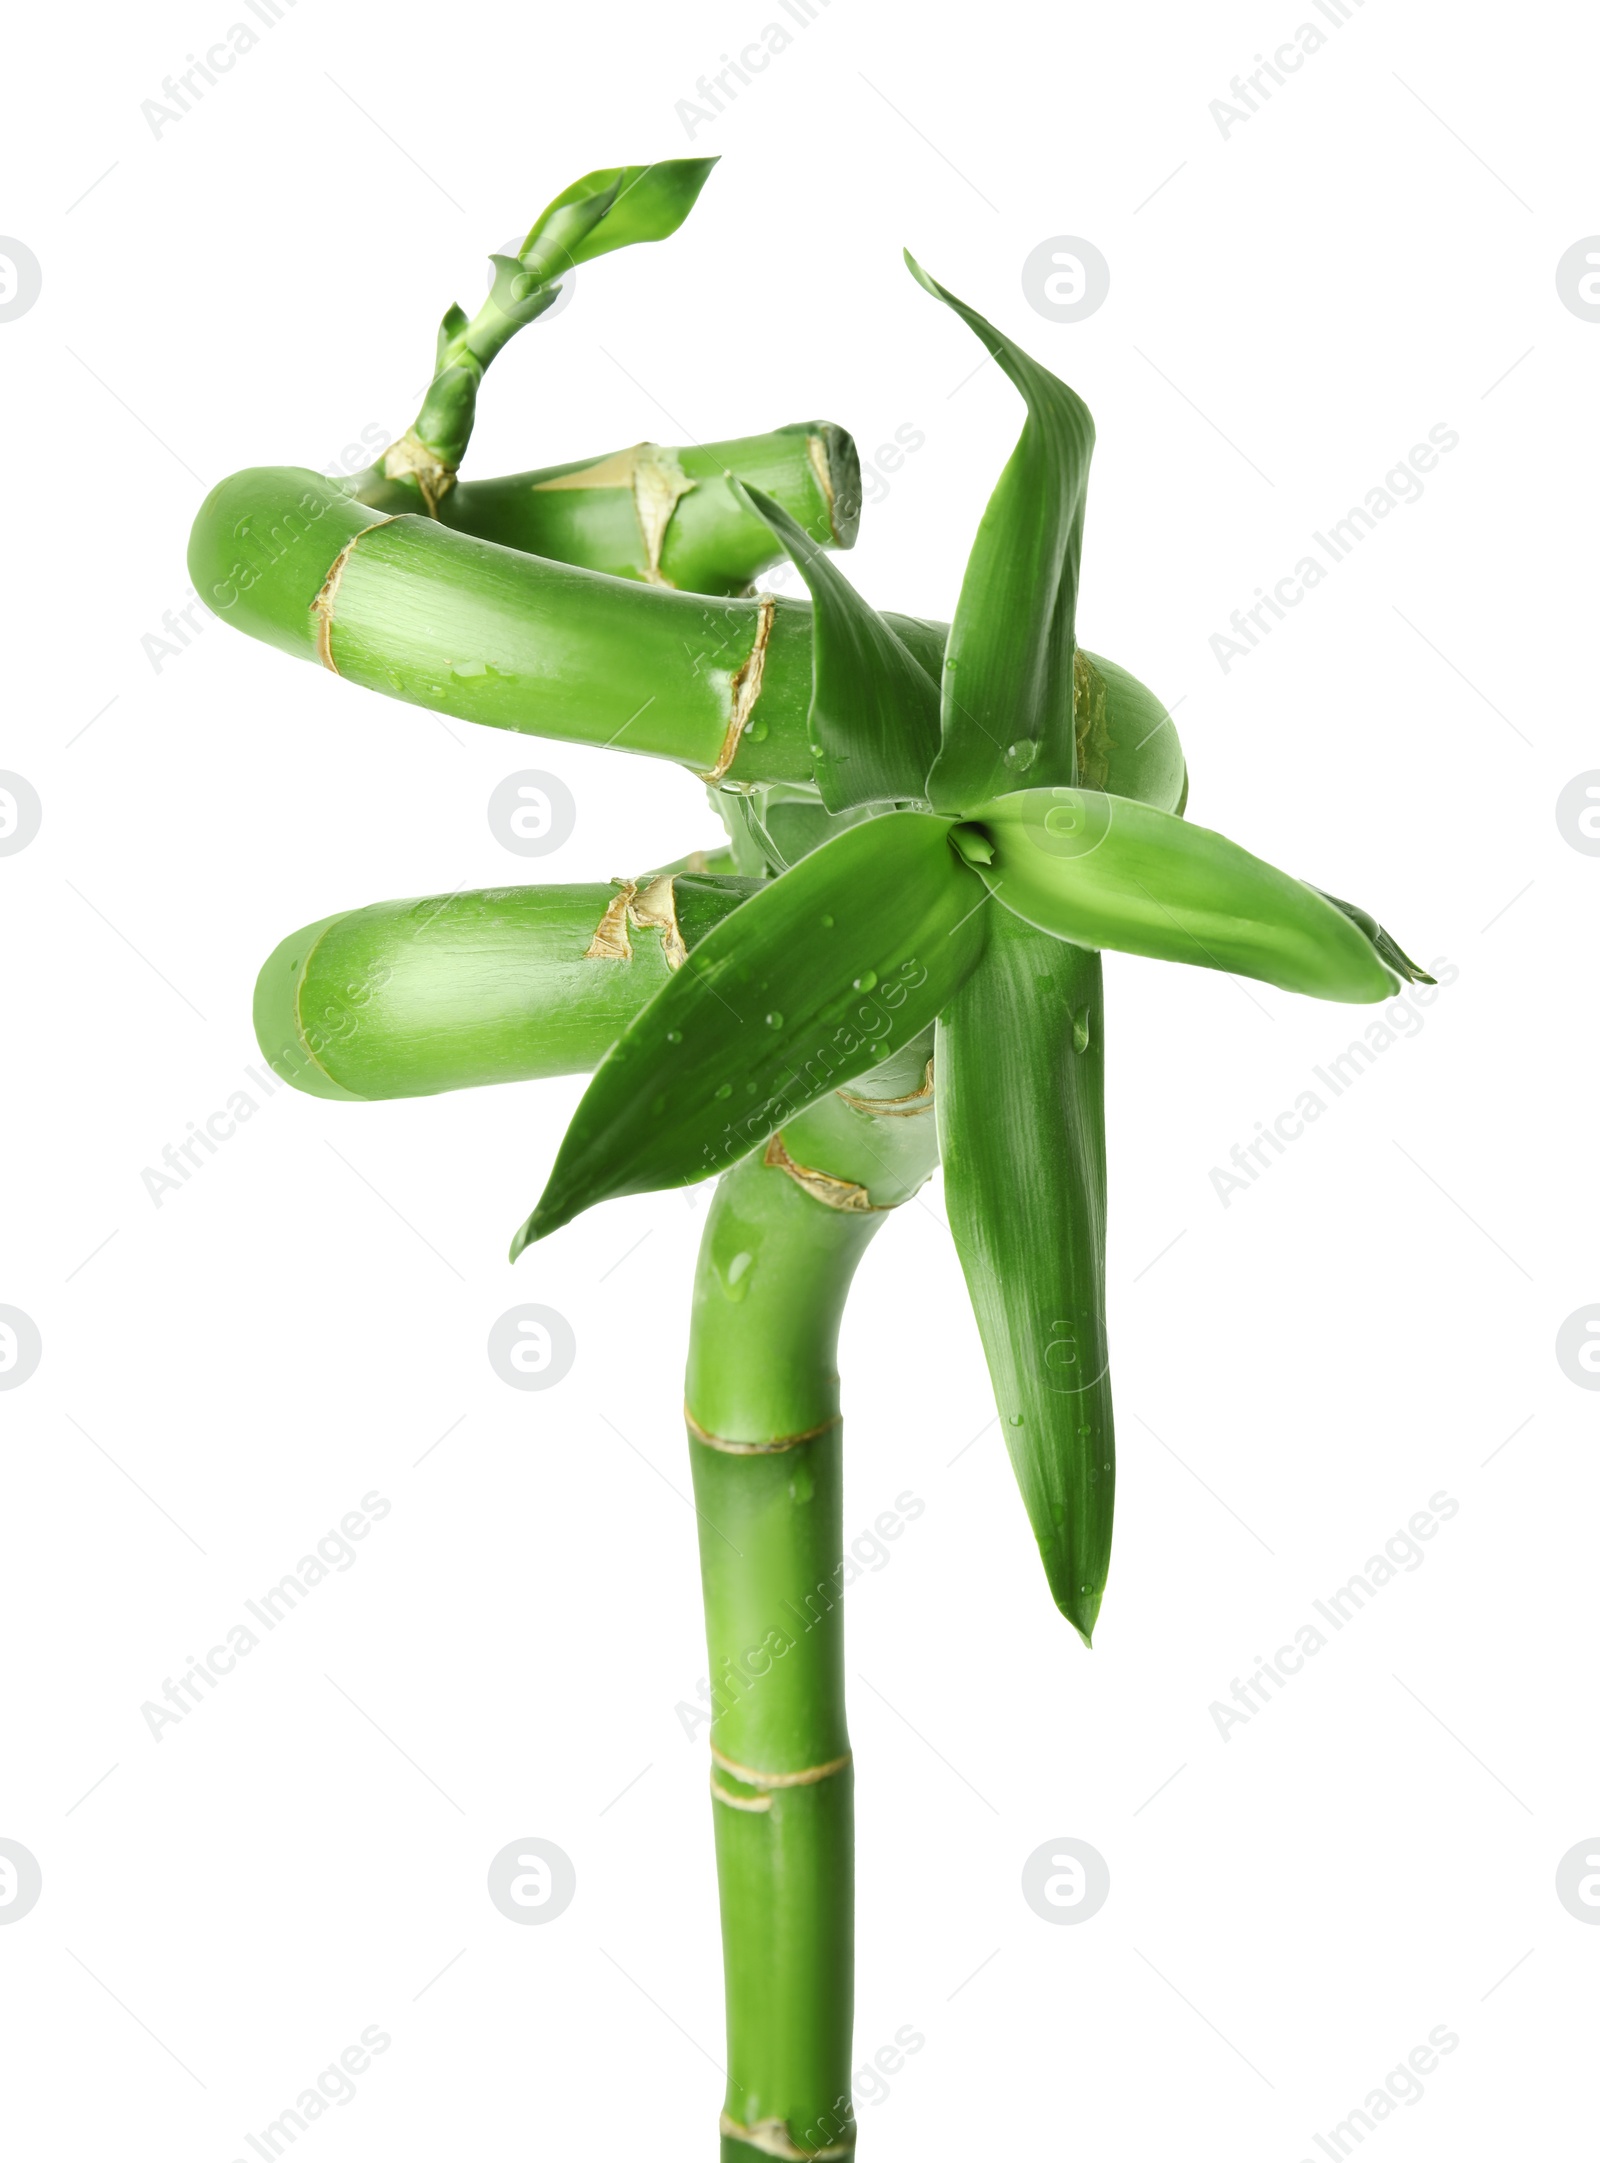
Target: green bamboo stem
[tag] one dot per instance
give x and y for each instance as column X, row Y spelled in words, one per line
column 654, row 513
column 618, row 206
column 455, row 991
column 1032, row 788
column 452, row 992
column 762, row 1405
column 488, row 634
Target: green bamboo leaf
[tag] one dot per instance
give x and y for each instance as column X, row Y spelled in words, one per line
column 1020, row 1087
column 814, row 979
column 451, row 324
column 1007, row 694
column 1102, row 871
column 615, row 207
column 874, row 721
column 1388, row 947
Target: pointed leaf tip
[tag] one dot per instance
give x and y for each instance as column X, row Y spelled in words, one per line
column 1384, row 944
column 617, row 207
column 874, row 716
column 538, row 1225
column 1103, row 871
column 927, row 284
column 1008, row 691
column 1022, row 1138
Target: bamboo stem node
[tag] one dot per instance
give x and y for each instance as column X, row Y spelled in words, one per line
column 846, row 1194
column 907, row 1107
column 738, row 1802
column 653, row 475
column 651, row 907
column 410, row 459
column 817, row 452
column 808, row 1776
column 328, row 593
column 757, row 1449
column 746, row 687
column 772, row 2137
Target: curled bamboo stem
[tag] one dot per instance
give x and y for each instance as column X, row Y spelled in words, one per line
column 651, row 512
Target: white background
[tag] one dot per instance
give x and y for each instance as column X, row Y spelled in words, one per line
column 1300, row 1903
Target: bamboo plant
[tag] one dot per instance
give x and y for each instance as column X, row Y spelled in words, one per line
column 934, row 832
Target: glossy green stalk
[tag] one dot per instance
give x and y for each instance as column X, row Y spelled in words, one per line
column 487, row 634
column 617, row 207
column 407, row 998
column 669, row 517
column 762, row 1401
